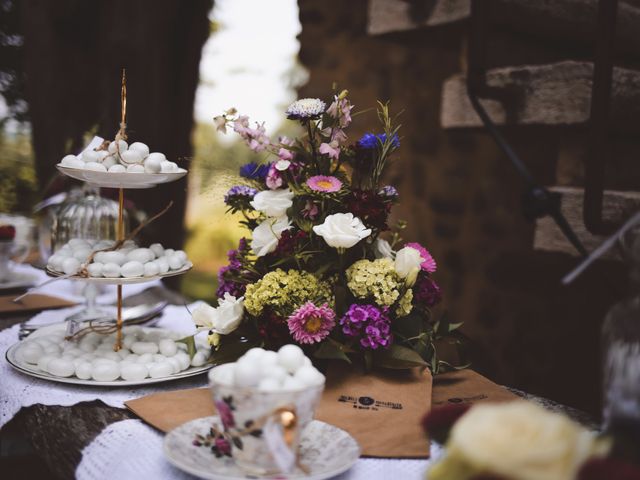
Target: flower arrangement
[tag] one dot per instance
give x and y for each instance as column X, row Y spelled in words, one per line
column 521, row 441
column 322, row 267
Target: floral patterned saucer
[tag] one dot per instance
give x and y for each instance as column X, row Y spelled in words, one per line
column 325, row 451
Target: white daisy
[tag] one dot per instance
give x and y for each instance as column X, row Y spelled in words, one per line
column 306, row 108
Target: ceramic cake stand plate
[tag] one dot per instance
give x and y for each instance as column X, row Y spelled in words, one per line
column 13, row 358
column 122, row 280
column 122, row 179
column 325, row 450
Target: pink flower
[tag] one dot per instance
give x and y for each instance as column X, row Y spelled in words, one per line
column 331, row 149
column 324, row 183
column 428, row 264
column 310, row 210
column 285, row 154
column 274, row 178
column 340, row 109
column 311, row 324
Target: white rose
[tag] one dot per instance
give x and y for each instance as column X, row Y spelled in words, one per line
column 230, row 312
column 521, row 441
column 264, row 238
column 273, row 203
column 224, row 318
column 382, row 249
column 407, row 264
column 342, row 230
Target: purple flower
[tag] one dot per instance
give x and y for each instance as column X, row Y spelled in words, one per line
column 427, row 292
column 228, row 274
column 254, row 171
column 239, row 193
column 369, row 141
column 368, row 323
column 388, row 191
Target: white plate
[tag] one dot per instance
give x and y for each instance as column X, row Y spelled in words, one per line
column 18, row 280
column 325, row 450
column 121, row 179
column 122, row 280
column 33, row 371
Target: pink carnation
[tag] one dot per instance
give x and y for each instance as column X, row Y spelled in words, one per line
column 311, row 324
column 324, row 183
column 429, row 264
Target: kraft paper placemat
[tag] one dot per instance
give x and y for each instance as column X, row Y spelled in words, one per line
column 34, row 302
column 168, row 410
column 382, row 410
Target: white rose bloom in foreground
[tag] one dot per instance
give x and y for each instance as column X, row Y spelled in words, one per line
column 342, row 230
column 407, row 264
column 264, row 238
column 224, row 318
column 517, row 440
column 273, row 203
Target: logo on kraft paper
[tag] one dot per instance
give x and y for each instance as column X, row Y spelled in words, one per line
column 368, row 403
column 475, row 398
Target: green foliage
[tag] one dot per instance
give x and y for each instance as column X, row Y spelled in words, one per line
column 18, row 186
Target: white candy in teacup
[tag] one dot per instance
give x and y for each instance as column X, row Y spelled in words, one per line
column 264, row 370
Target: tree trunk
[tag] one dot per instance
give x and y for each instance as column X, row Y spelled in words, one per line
column 74, row 53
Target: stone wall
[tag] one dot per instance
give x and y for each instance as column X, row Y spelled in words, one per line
column 463, row 201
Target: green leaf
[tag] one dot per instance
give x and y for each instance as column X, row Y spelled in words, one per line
column 410, row 326
column 398, row 357
column 190, row 343
column 332, row 350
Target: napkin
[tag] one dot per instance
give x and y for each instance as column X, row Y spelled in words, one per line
column 33, row 302
column 381, row 410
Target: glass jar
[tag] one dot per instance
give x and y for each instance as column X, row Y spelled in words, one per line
column 86, row 215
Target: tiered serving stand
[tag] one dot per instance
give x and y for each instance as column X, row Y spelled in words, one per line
column 121, row 181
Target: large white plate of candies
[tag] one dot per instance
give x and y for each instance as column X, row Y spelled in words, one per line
column 22, row 361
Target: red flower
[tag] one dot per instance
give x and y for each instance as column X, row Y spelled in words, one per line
column 369, row 207
column 7, row 232
column 608, row 469
column 439, row 421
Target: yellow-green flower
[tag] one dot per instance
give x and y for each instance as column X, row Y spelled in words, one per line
column 284, row 292
column 405, row 304
column 376, row 279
